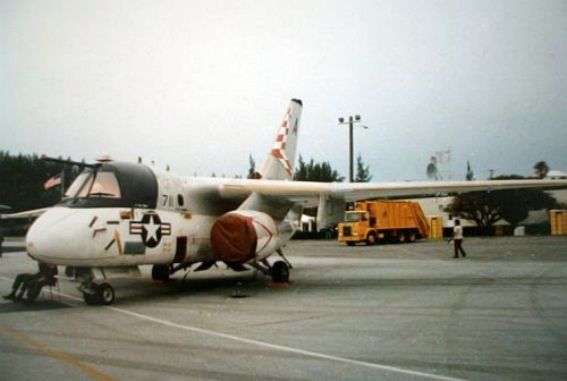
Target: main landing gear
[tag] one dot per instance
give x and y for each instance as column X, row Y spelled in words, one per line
column 279, row 271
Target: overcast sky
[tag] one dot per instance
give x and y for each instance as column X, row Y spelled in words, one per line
column 200, row 85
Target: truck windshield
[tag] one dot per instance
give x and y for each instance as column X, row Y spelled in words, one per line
column 352, row 217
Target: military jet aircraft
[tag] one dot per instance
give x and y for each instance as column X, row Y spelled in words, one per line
column 116, row 216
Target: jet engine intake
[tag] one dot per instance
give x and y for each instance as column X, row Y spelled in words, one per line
column 239, row 236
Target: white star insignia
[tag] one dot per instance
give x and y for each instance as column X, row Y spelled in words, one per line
column 151, row 230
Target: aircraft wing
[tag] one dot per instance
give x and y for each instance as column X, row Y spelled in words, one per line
column 24, row 215
column 309, row 193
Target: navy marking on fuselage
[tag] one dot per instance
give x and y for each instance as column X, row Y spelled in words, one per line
column 150, row 228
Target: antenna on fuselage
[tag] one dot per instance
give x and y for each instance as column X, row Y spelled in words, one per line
column 104, row 159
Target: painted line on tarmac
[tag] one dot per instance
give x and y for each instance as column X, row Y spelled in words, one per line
column 270, row 345
column 275, row 346
column 50, row 352
column 27, row 341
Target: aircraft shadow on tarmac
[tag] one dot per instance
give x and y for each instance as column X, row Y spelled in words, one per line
column 41, row 304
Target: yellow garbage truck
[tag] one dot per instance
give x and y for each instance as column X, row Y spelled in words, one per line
column 383, row 221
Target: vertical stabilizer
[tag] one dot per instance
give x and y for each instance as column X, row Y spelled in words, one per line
column 279, row 162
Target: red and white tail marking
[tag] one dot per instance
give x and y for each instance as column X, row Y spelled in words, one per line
column 278, row 149
column 278, row 164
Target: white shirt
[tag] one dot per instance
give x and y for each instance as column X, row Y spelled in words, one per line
column 458, row 232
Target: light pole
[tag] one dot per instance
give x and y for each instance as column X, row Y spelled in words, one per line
column 351, row 121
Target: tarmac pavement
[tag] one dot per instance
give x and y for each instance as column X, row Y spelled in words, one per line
column 394, row 312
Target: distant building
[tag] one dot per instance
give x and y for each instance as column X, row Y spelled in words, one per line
column 556, row 175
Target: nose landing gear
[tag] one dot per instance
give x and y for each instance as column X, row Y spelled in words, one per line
column 97, row 294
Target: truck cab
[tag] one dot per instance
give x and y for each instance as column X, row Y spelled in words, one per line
column 357, row 227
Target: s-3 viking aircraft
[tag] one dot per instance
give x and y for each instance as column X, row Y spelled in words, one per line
column 116, row 216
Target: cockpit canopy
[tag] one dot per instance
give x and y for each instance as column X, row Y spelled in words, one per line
column 113, row 185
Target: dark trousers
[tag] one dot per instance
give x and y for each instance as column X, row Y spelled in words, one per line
column 458, row 244
column 23, row 281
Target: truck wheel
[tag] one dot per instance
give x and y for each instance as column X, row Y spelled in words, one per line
column 371, row 239
column 412, row 237
column 401, row 237
column 350, row 243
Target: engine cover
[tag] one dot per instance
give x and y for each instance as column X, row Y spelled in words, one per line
column 239, row 236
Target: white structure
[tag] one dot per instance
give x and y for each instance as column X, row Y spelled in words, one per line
column 556, row 175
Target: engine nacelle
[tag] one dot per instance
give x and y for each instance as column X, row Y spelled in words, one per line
column 239, row 236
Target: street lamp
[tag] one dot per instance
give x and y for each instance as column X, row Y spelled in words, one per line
column 351, row 121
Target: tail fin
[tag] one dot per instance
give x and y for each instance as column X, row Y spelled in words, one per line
column 279, row 163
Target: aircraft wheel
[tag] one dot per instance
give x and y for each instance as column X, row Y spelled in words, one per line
column 280, row 272
column 90, row 299
column 105, row 294
column 160, row 273
column 371, row 239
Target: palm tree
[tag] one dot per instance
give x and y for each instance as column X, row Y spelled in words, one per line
column 541, row 169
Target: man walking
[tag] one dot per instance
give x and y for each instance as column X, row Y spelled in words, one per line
column 458, row 239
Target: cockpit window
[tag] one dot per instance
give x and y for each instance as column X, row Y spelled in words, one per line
column 113, row 185
column 81, row 185
column 101, row 184
column 105, row 185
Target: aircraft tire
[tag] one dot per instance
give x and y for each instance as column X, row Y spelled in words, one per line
column 280, row 272
column 90, row 299
column 105, row 294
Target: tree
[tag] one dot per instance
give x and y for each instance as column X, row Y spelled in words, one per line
column 541, row 169
column 362, row 171
column 313, row 171
column 470, row 173
column 252, row 169
column 485, row 208
column 22, row 178
column 480, row 207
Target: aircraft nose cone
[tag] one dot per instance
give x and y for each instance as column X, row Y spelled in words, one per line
column 50, row 238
